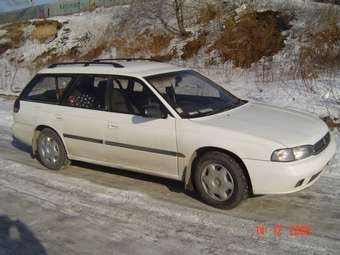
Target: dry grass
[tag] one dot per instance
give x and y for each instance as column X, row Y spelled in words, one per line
column 321, row 51
column 50, row 56
column 254, row 35
column 14, row 35
column 207, row 12
column 45, row 30
column 192, row 47
column 167, row 57
column 151, row 44
column 94, row 52
column 332, row 123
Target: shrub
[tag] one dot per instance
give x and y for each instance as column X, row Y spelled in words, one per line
column 45, row 30
column 320, row 51
column 168, row 56
column 150, row 44
column 207, row 12
column 253, row 35
column 14, row 35
column 94, row 52
column 192, row 47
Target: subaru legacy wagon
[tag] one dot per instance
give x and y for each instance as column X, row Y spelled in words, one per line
column 160, row 119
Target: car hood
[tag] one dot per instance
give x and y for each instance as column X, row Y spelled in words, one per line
column 287, row 127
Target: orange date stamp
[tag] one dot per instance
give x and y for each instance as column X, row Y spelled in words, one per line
column 277, row 230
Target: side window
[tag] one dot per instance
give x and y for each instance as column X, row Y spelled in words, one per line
column 61, row 84
column 48, row 89
column 88, row 92
column 131, row 99
column 137, row 87
column 121, row 83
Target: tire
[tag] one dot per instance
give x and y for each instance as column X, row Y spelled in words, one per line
column 51, row 150
column 220, row 181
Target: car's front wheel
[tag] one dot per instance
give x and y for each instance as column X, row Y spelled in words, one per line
column 220, row 180
column 51, row 151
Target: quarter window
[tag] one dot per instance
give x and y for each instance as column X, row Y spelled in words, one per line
column 49, row 89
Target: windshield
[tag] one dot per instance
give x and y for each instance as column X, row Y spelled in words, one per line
column 192, row 95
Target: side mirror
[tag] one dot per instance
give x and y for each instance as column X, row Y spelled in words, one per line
column 154, row 111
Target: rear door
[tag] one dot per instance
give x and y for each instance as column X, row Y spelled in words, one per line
column 135, row 141
column 82, row 118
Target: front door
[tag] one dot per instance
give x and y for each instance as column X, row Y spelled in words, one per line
column 135, row 141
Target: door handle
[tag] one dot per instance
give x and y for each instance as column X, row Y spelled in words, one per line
column 58, row 116
column 111, row 125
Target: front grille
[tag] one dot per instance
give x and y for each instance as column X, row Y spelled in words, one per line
column 314, row 176
column 321, row 144
column 299, row 183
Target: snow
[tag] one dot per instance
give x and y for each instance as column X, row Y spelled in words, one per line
column 334, row 165
column 289, row 94
column 2, row 32
column 84, row 31
column 131, row 222
column 6, row 118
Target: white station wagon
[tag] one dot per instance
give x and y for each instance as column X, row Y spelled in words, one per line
column 160, row 119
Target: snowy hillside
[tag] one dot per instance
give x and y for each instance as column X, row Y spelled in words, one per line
column 276, row 67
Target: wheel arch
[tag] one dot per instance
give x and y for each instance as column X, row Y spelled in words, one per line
column 201, row 151
column 36, row 134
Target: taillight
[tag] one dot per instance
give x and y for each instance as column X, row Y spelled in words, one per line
column 16, row 107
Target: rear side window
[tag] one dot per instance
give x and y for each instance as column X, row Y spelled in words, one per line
column 49, row 89
column 88, row 92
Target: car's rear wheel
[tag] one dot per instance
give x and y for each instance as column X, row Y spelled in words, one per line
column 51, row 150
column 220, row 180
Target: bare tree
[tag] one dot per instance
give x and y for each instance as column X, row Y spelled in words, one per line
column 178, row 6
column 162, row 11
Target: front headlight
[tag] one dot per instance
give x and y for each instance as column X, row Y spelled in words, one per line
column 292, row 154
column 302, row 152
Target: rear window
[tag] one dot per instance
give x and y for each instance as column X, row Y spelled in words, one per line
column 46, row 88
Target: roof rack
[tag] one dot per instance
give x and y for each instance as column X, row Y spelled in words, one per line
column 87, row 63
column 127, row 59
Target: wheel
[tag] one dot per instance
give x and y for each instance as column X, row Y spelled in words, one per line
column 219, row 180
column 51, row 150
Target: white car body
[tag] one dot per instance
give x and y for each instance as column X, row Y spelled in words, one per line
column 167, row 147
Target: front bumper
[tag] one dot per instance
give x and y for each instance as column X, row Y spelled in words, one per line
column 269, row 177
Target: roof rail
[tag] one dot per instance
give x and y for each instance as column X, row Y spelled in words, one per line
column 87, row 63
column 127, row 59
